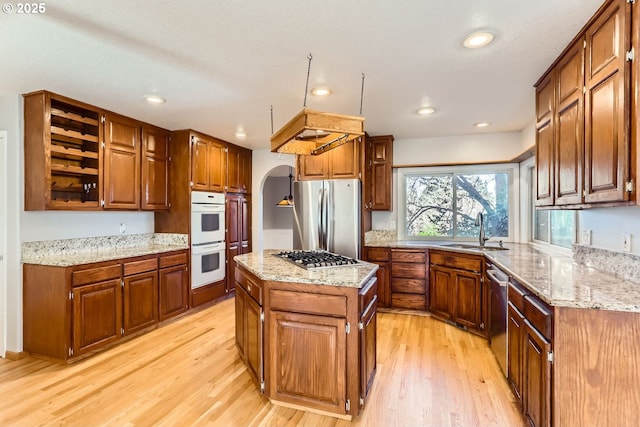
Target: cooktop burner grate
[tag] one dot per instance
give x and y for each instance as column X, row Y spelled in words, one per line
column 312, row 260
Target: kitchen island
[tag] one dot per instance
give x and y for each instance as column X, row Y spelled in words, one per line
column 308, row 337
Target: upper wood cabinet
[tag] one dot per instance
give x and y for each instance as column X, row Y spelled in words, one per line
column 208, row 163
column 584, row 145
column 155, row 168
column 62, row 153
column 238, row 169
column 378, row 169
column 80, row 157
column 339, row 163
column 121, row 162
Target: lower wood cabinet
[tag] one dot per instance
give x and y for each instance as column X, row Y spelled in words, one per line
column 173, row 280
column 529, row 356
column 455, row 288
column 74, row 311
column 381, row 257
column 249, row 320
column 409, row 278
column 308, row 345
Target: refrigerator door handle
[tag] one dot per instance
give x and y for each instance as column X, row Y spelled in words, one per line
column 329, row 219
column 320, row 213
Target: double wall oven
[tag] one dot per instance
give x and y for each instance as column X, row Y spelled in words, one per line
column 207, row 238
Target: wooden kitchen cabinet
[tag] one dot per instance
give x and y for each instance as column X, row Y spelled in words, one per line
column 238, row 236
column 155, row 168
column 208, row 163
column 338, row 163
column 97, row 308
column 583, row 142
column 529, row 355
column 173, row 285
column 92, row 306
column 409, row 278
column 249, row 320
column 62, row 153
column 377, row 187
column 140, row 295
column 121, row 162
column 455, row 288
column 381, row 257
column 80, row 157
column 238, row 169
column 368, row 308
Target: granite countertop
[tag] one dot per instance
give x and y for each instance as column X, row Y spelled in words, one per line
column 70, row 252
column 556, row 278
column 269, row 267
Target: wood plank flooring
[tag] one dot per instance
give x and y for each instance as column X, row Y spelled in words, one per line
column 188, row 373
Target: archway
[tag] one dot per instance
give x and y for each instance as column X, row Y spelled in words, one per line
column 277, row 221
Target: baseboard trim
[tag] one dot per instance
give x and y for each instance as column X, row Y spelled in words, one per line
column 12, row 355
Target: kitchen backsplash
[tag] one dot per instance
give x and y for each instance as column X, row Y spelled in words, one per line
column 97, row 244
column 622, row 265
column 380, row 236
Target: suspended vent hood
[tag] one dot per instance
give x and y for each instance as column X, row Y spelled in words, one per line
column 315, row 132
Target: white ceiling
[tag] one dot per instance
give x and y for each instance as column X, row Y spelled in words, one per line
column 221, row 64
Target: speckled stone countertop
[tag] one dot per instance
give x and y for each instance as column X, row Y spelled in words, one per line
column 70, row 252
column 269, row 267
column 556, row 278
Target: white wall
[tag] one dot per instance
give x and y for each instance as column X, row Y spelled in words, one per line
column 11, row 121
column 608, row 226
column 263, row 161
column 486, row 147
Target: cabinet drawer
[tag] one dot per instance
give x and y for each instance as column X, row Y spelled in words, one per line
column 377, row 254
column 410, row 301
column 172, row 260
column 251, row 285
column 302, row 302
column 409, row 286
column 135, row 267
column 539, row 315
column 456, row 261
column 368, row 293
column 412, row 271
column 515, row 295
column 94, row 275
column 407, row 256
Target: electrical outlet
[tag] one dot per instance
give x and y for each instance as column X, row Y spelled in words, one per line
column 586, row 237
column 626, row 242
column 392, row 225
column 123, row 228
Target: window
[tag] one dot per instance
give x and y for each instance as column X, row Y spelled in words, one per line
column 554, row 227
column 438, row 203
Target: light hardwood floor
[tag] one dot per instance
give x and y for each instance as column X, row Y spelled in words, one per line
column 188, row 373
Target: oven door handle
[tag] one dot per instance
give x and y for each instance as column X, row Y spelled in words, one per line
column 207, row 247
column 495, row 278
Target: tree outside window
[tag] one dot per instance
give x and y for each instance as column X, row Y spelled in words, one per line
column 446, row 205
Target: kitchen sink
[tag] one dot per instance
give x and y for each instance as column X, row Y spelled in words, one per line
column 475, row 247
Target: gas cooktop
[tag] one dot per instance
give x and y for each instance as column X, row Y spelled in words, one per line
column 313, row 260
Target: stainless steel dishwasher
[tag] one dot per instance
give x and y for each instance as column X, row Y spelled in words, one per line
column 498, row 309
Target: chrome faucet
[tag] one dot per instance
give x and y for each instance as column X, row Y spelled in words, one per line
column 480, row 223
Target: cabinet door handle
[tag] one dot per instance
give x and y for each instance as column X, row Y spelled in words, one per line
column 249, row 287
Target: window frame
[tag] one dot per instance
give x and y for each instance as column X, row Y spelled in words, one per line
column 512, row 170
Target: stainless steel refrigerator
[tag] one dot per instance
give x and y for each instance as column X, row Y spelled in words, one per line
column 327, row 216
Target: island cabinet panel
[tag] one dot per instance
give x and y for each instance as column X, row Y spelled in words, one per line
column 249, row 320
column 308, row 360
column 308, row 345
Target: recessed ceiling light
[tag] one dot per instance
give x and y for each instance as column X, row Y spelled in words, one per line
column 482, row 124
column 321, row 91
column 240, row 133
column 155, row 99
column 478, row 39
column 425, row 111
